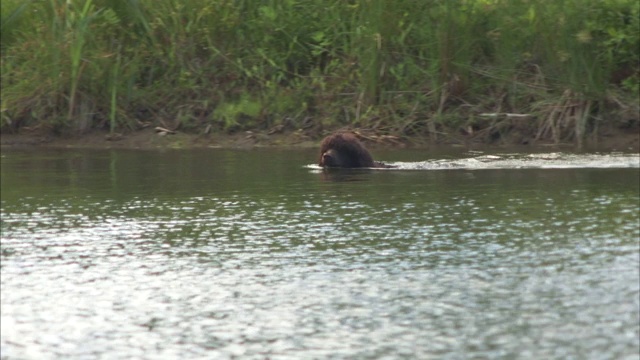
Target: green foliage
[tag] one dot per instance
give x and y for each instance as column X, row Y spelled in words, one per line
column 237, row 115
column 406, row 66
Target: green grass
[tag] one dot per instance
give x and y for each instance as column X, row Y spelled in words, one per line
column 405, row 67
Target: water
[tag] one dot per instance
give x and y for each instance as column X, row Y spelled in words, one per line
column 258, row 254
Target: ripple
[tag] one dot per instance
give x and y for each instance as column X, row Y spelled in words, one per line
column 521, row 161
column 400, row 265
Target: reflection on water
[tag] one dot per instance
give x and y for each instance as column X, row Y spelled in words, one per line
column 222, row 254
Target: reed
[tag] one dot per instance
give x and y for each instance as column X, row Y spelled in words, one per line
column 406, row 67
column 77, row 21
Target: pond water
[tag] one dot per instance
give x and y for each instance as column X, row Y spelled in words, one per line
column 259, row 254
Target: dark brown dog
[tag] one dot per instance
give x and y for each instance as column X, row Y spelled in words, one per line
column 344, row 150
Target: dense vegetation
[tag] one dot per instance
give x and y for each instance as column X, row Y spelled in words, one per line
column 549, row 69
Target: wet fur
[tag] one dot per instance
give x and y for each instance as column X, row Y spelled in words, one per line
column 344, row 150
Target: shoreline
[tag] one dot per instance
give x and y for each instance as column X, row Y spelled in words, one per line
column 612, row 140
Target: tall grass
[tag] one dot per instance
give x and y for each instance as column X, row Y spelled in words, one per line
column 406, row 67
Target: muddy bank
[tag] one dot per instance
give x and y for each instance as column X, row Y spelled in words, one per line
column 614, row 139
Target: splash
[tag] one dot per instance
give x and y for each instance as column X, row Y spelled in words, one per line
column 554, row 160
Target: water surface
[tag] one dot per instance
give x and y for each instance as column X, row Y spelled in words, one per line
column 259, row 254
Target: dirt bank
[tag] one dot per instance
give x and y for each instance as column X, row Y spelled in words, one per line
column 615, row 139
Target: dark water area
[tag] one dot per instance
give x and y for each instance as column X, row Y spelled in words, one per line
column 259, row 254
